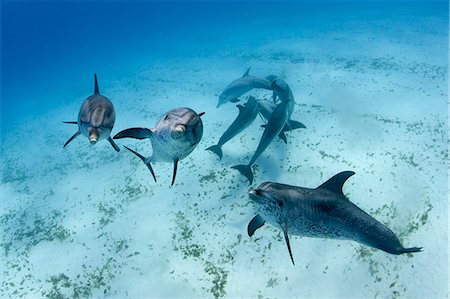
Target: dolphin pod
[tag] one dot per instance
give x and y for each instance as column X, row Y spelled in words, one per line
column 322, row 212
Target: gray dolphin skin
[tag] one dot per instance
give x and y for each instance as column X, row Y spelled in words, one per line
column 266, row 109
column 95, row 119
column 273, row 128
column 247, row 115
column 175, row 136
column 323, row 212
column 242, row 85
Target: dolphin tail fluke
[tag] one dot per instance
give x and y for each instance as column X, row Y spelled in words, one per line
column 296, row 125
column 216, row 149
column 283, row 137
column 136, row 133
column 410, row 250
column 72, row 138
column 143, row 160
column 114, row 145
column 96, row 91
column 246, row 170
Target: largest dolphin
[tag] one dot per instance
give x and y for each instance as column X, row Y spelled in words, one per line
column 323, row 212
column 242, row 85
column 95, row 119
column 273, row 128
column 175, row 136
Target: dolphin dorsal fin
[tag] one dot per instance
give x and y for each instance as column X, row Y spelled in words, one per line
column 247, row 72
column 96, row 91
column 335, row 183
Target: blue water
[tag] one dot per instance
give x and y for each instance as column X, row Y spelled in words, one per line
column 49, row 48
column 370, row 80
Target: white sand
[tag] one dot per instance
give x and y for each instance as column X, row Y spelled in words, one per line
column 87, row 221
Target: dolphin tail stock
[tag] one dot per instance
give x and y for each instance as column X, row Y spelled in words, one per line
column 246, row 170
column 143, row 160
column 216, row 149
column 72, row 138
column 137, row 133
column 113, row 144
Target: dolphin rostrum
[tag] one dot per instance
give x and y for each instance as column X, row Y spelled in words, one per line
column 242, row 85
column 95, row 119
column 247, row 115
column 323, row 212
column 273, row 128
column 175, row 136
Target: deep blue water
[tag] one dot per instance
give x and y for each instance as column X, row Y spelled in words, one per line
column 50, row 49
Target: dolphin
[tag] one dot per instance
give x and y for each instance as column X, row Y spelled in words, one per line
column 175, row 136
column 273, row 128
column 266, row 109
column 323, row 212
column 95, row 119
column 242, row 85
column 247, row 115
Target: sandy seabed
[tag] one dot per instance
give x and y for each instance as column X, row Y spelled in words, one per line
column 86, row 221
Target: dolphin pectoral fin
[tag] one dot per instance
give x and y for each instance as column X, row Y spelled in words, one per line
column 72, row 138
column 283, row 137
column 274, row 96
column 286, row 237
column 216, row 149
column 234, row 100
column 254, row 224
column 175, row 167
column 335, row 183
column 143, row 160
column 71, row 122
column 137, row 133
column 114, row 145
column 247, row 72
column 246, row 170
column 296, row 125
column 241, row 108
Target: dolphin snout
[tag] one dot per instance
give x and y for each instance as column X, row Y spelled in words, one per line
column 93, row 139
column 253, row 193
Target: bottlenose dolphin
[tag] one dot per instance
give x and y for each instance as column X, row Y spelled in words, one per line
column 242, row 85
column 175, row 136
column 247, row 115
column 273, row 128
column 266, row 109
column 95, row 119
column 323, row 212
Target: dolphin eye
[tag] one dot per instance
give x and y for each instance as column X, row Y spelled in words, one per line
column 280, row 203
